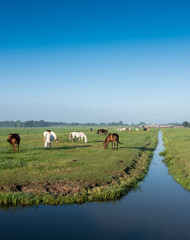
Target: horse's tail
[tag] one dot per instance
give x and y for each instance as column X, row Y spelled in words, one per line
column 70, row 136
column 119, row 141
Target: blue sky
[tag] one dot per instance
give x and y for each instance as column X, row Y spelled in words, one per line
column 95, row 61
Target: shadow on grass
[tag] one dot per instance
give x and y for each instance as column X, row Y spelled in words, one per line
column 68, row 147
column 22, row 151
column 140, row 148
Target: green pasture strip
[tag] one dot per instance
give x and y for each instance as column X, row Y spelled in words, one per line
column 96, row 173
column 177, row 154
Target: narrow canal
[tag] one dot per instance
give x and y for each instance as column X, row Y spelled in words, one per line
column 159, row 209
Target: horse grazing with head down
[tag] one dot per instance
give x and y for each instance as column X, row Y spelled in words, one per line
column 121, row 129
column 103, row 131
column 79, row 135
column 14, row 139
column 112, row 137
column 48, row 138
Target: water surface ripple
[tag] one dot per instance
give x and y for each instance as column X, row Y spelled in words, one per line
column 160, row 209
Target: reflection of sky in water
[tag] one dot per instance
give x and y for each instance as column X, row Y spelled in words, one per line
column 159, row 210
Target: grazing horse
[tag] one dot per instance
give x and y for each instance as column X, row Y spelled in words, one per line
column 99, row 131
column 112, row 137
column 103, row 131
column 79, row 135
column 136, row 129
column 122, row 129
column 129, row 129
column 91, row 129
column 146, row 129
column 48, row 138
column 14, row 139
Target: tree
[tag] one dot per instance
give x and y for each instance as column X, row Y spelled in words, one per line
column 185, row 124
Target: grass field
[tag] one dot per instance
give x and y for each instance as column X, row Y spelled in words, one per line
column 71, row 172
column 177, row 154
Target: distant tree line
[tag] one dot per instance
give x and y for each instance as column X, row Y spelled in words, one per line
column 43, row 123
column 175, row 124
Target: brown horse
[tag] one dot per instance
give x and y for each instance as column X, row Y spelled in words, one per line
column 112, row 137
column 14, row 139
column 145, row 129
column 103, row 131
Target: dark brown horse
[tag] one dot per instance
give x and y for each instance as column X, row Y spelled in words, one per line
column 14, row 139
column 112, row 137
column 103, row 131
column 145, row 129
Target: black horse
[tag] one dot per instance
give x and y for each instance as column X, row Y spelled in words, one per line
column 14, row 139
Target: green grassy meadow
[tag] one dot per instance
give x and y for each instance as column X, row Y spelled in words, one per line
column 71, row 172
column 177, row 154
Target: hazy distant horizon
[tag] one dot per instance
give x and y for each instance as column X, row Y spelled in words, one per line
column 124, row 123
column 95, row 61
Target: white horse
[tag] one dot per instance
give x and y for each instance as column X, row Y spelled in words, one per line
column 121, row 129
column 137, row 129
column 48, row 138
column 79, row 135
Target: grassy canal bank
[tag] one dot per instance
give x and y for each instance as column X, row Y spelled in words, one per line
column 72, row 172
column 177, row 154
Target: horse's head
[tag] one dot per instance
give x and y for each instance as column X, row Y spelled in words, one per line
column 105, row 145
column 9, row 138
column 56, row 140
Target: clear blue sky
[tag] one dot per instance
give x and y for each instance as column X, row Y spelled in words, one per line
column 95, row 60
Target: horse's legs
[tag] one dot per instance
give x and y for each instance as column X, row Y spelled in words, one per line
column 107, row 143
column 18, row 147
column 112, row 145
column 14, row 147
column 117, row 145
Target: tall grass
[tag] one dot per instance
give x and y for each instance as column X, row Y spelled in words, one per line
column 177, row 154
